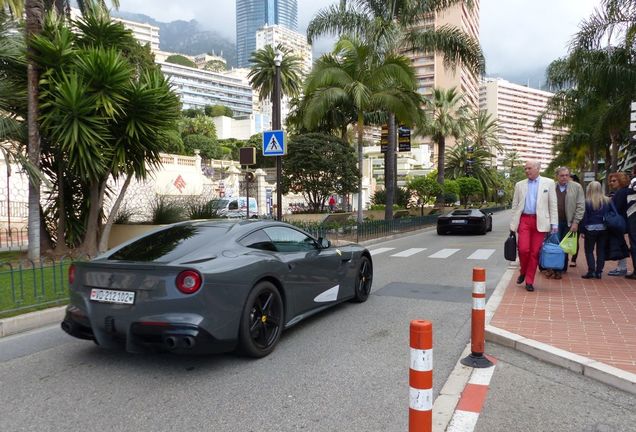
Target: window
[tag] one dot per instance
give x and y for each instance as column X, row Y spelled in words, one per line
column 290, row 240
column 233, row 205
column 258, row 240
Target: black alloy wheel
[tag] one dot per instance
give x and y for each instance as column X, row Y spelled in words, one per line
column 364, row 279
column 262, row 320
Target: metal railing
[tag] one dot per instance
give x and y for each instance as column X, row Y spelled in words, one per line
column 14, row 238
column 26, row 285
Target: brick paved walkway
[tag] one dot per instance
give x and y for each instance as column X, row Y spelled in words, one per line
column 593, row 318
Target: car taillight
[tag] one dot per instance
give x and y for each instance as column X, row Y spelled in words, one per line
column 71, row 274
column 188, row 281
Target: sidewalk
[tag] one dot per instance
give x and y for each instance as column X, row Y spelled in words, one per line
column 583, row 324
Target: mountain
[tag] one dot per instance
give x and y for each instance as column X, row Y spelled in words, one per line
column 186, row 37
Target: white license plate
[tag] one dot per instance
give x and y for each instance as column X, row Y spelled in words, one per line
column 459, row 221
column 112, row 296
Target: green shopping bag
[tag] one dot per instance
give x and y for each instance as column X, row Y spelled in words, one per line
column 569, row 242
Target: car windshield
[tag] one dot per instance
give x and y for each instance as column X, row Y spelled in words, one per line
column 462, row 212
column 218, row 204
column 169, row 244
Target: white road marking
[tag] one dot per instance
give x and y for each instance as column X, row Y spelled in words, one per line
column 408, row 252
column 444, row 253
column 481, row 376
column 481, row 254
column 463, row 421
column 380, row 250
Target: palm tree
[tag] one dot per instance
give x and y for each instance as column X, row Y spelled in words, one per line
column 34, row 11
column 481, row 167
column 263, row 72
column 392, row 26
column 103, row 116
column 353, row 77
column 449, row 118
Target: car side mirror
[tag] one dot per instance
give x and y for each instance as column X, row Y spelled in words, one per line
column 324, row 243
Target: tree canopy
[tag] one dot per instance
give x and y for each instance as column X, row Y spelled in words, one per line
column 180, row 60
column 318, row 165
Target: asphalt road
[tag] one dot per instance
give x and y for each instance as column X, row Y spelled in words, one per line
column 344, row 370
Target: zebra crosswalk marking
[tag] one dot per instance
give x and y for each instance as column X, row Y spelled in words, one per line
column 408, row 252
column 481, row 254
column 444, row 253
column 380, row 250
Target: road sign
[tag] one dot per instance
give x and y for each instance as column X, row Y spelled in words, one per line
column 588, row 176
column 632, row 125
column 274, row 143
column 384, row 138
column 633, row 106
column 404, row 139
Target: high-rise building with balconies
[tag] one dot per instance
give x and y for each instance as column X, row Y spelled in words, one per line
column 516, row 108
column 251, row 15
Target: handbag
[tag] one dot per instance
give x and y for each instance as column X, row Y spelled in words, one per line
column 614, row 221
column 510, row 247
column 569, row 243
column 552, row 256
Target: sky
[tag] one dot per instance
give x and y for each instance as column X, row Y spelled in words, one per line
column 516, row 35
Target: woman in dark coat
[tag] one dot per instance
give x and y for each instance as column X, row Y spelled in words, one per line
column 595, row 230
column 616, row 246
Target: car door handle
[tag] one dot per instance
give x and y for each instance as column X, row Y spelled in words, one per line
column 291, row 266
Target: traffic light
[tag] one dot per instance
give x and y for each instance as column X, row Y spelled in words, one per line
column 249, row 177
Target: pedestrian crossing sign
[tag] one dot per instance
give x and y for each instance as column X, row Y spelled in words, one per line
column 274, row 143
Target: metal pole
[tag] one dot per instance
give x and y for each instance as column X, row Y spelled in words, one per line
column 276, row 125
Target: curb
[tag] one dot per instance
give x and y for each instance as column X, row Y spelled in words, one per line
column 594, row 369
column 31, row 321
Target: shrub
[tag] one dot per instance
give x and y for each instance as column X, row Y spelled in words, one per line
column 165, row 211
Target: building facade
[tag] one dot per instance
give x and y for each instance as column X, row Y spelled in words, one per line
column 143, row 32
column 290, row 39
column 516, row 108
column 430, row 70
column 251, row 15
column 197, row 88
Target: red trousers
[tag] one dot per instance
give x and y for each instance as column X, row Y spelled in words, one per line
column 529, row 242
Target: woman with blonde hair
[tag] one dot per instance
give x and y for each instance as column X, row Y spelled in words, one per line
column 594, row 229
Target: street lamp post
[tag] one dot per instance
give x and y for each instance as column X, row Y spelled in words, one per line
column 276, row 125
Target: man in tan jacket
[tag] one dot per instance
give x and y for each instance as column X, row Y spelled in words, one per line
column 534, row 213
column 570, row 207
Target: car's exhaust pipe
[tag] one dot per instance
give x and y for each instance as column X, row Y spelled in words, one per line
column 189, row 342
column 171, row 342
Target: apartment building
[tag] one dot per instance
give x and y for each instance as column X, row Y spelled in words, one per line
column 197, row 88
column 516, row 108
column 143, row 32
column 430, row 70
column 290, row 39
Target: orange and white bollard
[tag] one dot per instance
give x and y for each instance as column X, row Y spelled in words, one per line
column 421, row 377
column 477, row 359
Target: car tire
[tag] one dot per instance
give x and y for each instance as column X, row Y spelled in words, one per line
column 490, row 226
column 440, row 231
column 363, row 281
column 261, row 321
column 484, row 229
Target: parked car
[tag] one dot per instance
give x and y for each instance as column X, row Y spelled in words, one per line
column 212, row 286
column 464, row 220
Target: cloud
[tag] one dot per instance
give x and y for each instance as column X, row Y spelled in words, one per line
column 516, row 35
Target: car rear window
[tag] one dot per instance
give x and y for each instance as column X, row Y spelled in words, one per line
column 462, row 212
column 170, row 244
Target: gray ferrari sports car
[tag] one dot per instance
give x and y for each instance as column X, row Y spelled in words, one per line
column 212, row 286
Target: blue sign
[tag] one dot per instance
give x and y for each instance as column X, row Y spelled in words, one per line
column 274, row 143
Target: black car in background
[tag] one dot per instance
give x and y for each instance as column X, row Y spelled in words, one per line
column 464, row 221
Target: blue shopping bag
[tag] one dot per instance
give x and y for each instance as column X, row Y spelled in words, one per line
column 552, row 256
